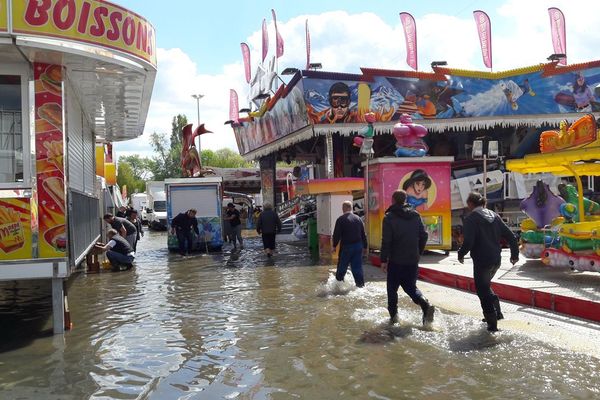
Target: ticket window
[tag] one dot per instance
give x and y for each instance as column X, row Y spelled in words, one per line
column 14, row 157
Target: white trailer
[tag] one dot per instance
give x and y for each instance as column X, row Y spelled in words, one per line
column 157, row 205
column 205, row 196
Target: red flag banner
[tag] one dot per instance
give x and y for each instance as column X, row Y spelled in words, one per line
column 265, row 40
column 484, row 29
column 278, row 38
column 410, row 35
column 307, row 46
column 246, row 57
column 559, row 35
column 233, row 106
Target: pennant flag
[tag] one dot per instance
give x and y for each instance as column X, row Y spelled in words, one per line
column 484, row 29
column 265, row 40
column 559, row 35
column 410, row 35
column 307, row 46
column 278, row 38
column 246, row 57
column 233, row 106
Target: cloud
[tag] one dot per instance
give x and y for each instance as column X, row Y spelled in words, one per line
column 345, row 42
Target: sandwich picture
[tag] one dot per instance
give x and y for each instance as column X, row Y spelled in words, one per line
column 55, row 188
column 52, row 113
column 52, row 79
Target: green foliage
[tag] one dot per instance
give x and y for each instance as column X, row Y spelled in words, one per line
column 223, row 158
column 126, row 177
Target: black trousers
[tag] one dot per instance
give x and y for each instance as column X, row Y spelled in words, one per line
column 182, row 238
column 268, row 240
column 483, row 278
column 404, row 275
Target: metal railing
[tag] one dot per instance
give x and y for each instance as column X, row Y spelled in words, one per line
column 84, row 225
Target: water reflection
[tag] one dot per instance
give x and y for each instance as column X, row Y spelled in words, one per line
column 241, row 325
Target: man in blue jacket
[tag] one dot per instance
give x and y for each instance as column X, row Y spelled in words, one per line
column 403, row 241
column 482, row 230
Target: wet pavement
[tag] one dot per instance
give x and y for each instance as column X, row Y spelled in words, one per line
column 242, row 326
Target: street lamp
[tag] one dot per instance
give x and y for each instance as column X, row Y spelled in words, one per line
column 480, row 154
column 198, row 97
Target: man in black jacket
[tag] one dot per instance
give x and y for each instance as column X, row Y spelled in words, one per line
column 268, row 225
column 125, row 228
column 350, row 232
column 482, row 230
column 403, row 242
column 182, row 226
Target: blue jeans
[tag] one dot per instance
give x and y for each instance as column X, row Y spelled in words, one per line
column 483, row 279
column 351, row 254
column 236, row 233
column 404, row 275
column 118, row 258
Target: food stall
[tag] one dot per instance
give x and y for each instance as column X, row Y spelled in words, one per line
column 72, row 73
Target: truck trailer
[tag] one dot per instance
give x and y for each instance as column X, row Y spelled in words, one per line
column 205, row 195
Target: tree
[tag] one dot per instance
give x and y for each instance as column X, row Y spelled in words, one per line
column 140, row 166
column 126, row 177
column 224, row 158
column 167, row 162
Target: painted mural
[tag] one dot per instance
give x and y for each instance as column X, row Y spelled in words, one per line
column 287, row 115
column 331, row 101
column 50, row 163
column 15, row 229
column 427, row 185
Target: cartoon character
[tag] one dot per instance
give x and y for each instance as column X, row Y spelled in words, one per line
column 409, row 142
column 542, row 206
column 417, row 189
column 339, row 101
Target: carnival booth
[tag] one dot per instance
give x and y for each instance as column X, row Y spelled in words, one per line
column 426, row 181
column 72, row 73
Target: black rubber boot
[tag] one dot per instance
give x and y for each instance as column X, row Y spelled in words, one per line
column 492, row 321
column 428, row 311
column 499, row 314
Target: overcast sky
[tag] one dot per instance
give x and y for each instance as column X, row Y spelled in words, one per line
column 199, row 45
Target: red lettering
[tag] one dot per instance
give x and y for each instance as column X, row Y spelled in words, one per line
column 36, row 13
column 99, row 27
column 150, row 42
column 115, row 18
column 129, row 31
column 142, row 37
column 83, row 19
column 61, row 8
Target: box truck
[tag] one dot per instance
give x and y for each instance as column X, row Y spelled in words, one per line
column 157, row 205
column 205, row 195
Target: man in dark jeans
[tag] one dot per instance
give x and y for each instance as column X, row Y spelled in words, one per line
column 124, row 227
column 118, row 251
column 350, row 232
column 483, row 230
column 403, row 242
column 182, row 226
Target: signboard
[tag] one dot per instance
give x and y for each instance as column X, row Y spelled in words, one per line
column 344, row 101
column 287, row 115
column 427, row 185
column 50, row 162
column 3, row 16
column 90, row 21
column 15, row 229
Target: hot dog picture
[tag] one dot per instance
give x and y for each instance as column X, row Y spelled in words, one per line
column 52, row 113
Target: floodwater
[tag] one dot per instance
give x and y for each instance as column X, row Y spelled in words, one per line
column 243, row 326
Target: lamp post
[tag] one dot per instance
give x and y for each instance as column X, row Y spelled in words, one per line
column 198, row 97
column 480, row 154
